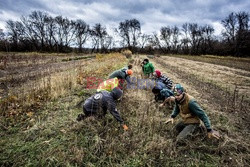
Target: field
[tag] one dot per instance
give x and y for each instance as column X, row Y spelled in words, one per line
column 41, row 96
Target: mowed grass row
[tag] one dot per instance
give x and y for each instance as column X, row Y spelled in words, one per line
column 228, row 61
column 227, row 111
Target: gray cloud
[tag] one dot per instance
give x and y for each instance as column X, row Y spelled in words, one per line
column 151, row 14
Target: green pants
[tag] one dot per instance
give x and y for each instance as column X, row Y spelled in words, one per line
column 184, row 131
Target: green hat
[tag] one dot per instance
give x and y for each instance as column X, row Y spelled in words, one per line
column 179, row 88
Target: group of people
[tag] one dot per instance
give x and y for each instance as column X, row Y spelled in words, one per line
column 107, row 93
column 184, row 104
column 111, row 90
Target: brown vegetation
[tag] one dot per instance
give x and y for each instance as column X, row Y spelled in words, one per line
column 52, row 137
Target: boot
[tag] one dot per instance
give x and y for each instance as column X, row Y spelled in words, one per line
column 80, row 117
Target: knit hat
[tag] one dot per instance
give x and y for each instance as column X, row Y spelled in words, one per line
column 179, row 88
column 129, row 72
column 116, row 93
column 158, row 73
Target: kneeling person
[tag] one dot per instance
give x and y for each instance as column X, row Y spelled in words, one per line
column 191, row 114
column 102, row 102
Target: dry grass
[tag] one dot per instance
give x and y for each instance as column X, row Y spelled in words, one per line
column 54, row 138
column 221, row 76
column 232, row 62
column 50, row 84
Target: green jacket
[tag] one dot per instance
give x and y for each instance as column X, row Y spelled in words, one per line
column 148, row 68
column 120, row 74
column 195, row 110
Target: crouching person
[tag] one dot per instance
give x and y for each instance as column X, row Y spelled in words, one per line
column 100, row 103
column 156, row 91
column 191, row 114
column 163, row 94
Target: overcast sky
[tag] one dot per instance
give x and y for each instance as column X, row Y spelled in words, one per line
column 152, row 14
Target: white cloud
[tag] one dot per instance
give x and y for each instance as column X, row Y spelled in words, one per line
column 217, row 27
column 8, row 15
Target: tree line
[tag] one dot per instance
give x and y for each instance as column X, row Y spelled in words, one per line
column 41, row 32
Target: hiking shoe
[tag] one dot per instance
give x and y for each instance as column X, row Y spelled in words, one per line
column 80, row 117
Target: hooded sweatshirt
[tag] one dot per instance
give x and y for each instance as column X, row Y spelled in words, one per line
column 102, row 102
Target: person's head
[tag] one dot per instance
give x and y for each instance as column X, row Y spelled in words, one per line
column 156, row 90
column 145, row 61
column 179, row 91
column 129, row 72
column 157, row 73
column 116, row 93
column 130, row 66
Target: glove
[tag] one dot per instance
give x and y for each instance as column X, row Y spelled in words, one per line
column 169, row 120
column 161, row 105
column 125, row 127
column 214, row 134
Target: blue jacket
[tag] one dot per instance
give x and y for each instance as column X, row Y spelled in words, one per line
column 166, row 93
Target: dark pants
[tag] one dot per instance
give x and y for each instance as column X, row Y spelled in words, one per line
column 159, row 97
column 99, row 114
column 88, row 114
column 186, row 131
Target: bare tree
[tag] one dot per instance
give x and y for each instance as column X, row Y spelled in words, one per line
column 37, row 21
column 206, row 39
column 98, row 34
column 144, row 40
column 236, row 33
column 135, row 28
column 3, row 42
column 82, row 33
column 51, row 29
column 185, row 41
column 229, row 24
column 155, row 42
column 166, row 37
column 65, row 32
column 16, row 33
column 243, row 34
column 130, row 30
column 175, row 39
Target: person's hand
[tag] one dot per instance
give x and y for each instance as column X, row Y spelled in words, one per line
column 214, row 134
column 186, row 115
column 169, row 120
column 125, row 127
column 161, row 105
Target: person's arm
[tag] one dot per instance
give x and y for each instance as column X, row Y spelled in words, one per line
column 113, row 75
column 198, row 111
column 176, row 111
column 166, row 93
column 168, row 82
column 152, row 68
column 112, row 109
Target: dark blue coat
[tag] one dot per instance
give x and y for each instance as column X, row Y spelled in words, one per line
column 102, row 102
